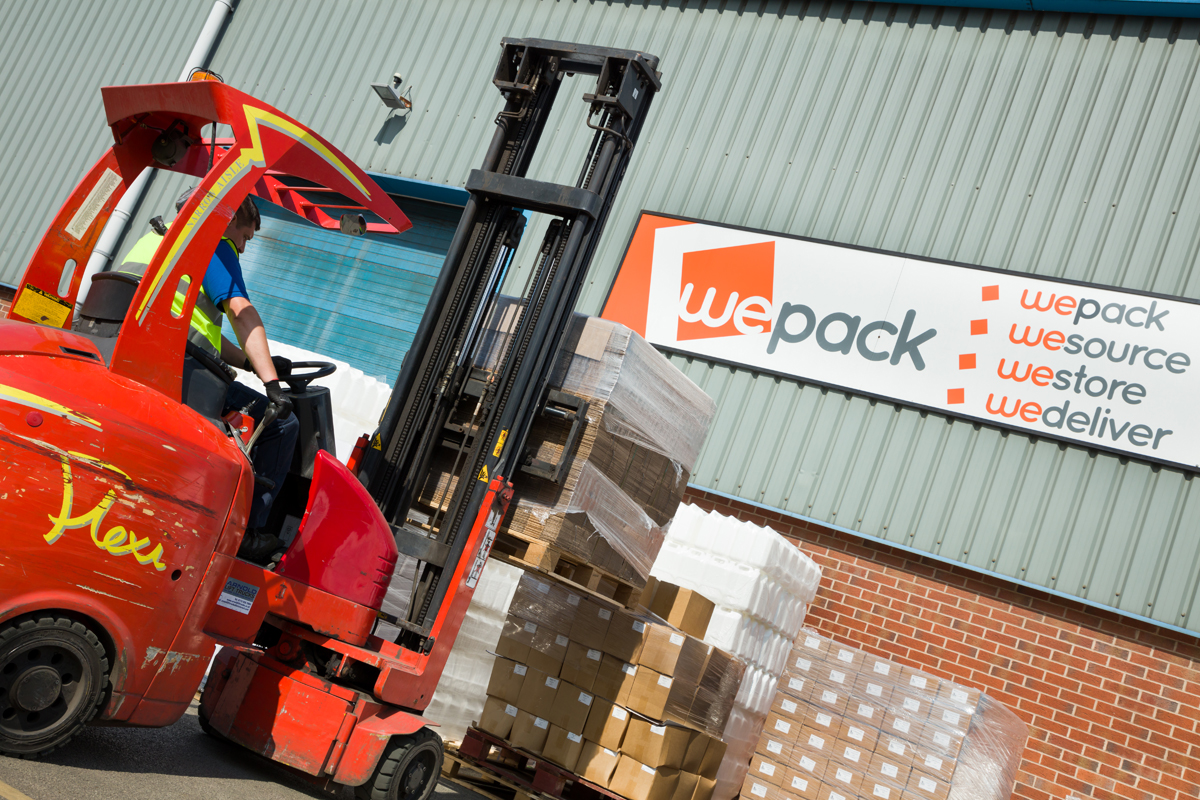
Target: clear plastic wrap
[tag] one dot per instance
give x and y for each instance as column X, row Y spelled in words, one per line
column 612, row 514
column 991, row 754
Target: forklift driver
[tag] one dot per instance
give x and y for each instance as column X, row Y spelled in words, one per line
column 224, row 291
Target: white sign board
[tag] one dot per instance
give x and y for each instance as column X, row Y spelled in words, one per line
column 1100, row 367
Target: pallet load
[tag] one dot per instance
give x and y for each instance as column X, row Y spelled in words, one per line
column 761, row 585
column 630, row 457
column 622, row 700
column 845, row 724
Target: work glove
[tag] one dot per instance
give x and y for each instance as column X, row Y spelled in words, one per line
column 275, row 395
column 283, row 365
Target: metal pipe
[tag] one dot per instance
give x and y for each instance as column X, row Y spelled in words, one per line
column 106, row 246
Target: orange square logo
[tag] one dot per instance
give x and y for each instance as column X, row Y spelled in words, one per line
column 955, row 396
column 726, row 291
column 978, row 327
column 991, row 293
column 966, row 361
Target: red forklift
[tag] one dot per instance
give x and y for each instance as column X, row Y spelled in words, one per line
column 125, row 494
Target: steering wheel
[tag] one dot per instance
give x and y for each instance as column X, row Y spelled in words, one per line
column 298, row 384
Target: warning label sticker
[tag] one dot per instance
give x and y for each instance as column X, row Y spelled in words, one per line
column 93, row 204
column 38, row 306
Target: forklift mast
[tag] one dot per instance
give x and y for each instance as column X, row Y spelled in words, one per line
column 440, row 403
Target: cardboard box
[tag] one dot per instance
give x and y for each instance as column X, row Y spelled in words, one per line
column 813, row 646
column 800, row 785
column 704, row 788
column 547, row 651
column 694, row 757
column 596, row 763
column 580, row 665
column 755, row 789
column 714, row 754
column 936, row 765
column 626, row 634
column 655, row 745
column 902, row 726
column 938, row 739
column 823, row 719
column 649, row 693
column 802, row 665
column 776, row 748
column 767, row 770
column 519, row 630
column 880, row 669
column 795, row 686
column 961, row 697
column 927, row 786
column 537, row 691
column 877, row 790
column 571, row 707
column 950, row 718
column 873, row 689
column 529, row 732
column 833, row 698
column 507, row 678
column 614, row 679
column 847, row 659
column 809, row 763
column 685, row 789
column 863, row 737
column 915, row 705
column 672, row 652
column 789, row 707
column 887, row 768
column 837, row 677
column 852, row 756
column 512, row 649
column 844, row 778
column 780, row 727
column 591, row 624
column 497, row 717
column 865, row 713
column 814, row 742
column 914, row 680
column 563, row 748
column 687, row 610
column 606, row 724
column 636, row 781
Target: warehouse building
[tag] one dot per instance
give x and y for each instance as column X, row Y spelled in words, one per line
column 930, row 159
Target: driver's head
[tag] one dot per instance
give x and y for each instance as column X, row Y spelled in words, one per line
column 244, row 224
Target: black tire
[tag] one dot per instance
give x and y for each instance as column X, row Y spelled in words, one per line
column 408, row 769
column 53, row 676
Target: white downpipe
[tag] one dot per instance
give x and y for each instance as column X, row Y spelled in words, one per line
column 107, row 244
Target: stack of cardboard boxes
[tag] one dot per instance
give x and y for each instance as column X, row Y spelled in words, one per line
column 633, row 702
column 846, row 724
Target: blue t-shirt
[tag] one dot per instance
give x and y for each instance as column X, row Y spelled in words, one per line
column 224, row 277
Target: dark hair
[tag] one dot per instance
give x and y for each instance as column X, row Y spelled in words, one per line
column 247, row 214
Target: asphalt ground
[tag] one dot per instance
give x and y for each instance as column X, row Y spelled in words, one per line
column 154, row 763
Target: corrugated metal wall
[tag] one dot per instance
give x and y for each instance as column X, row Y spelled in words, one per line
column 1056, row 144
column 55, row 56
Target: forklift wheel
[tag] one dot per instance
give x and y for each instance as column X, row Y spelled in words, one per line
column 53, row 672
column 408, row 770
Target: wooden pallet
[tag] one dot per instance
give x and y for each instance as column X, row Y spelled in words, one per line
column 529, row 777
column 566, row 568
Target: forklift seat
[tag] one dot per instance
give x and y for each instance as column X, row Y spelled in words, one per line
column 104, row 307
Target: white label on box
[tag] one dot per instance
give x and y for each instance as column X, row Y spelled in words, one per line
column 766, row 768
column 816, row 742
column 912, row 705
column 836, row 796
column 573, row 599
column 676, row 639
column 941, row 739
column 541, row 587
column 629, row 669
column 594, row 655
column 585, row 698
column 844, row 775
column 541, row 723
column 799, row 783
column 520, row 669
column 663, row 680
column 918, row 681
column 774, row 746
column 852, row 754
column 951, row 716
column 829, row 697
column 803, row 664
column 846, row 656
column 959, row 695
column 890, row 770
column 875, row 690
column 574, row 737
column 796, row 684
column 933, row 762
column 902, row 725
column 788, row 706
column 866, row 711
column 807, row 763
column 530, row 627
column 561, row 640
column 605, row 614
column 782, row 727
column 510, row 709
column 855, row 733
column 896, row 746
column 881, row 791
column 824, row 720
column 609, row 753
column 812, row 641
column 620, row 713
column 837, row 677
column 552, row 682
column 755, row 788
column 639, row 626
column 927, row 784
column 883, row 668
column 658, row 730
column 651, row 770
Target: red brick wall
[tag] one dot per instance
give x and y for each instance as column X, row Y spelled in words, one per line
column 1113, row 705
column 6, row 298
